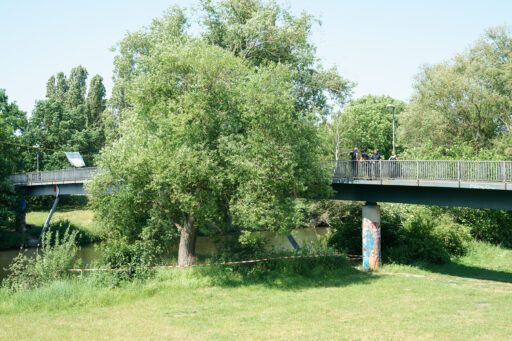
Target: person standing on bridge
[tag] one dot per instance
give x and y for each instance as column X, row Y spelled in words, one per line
column 393, row 166
column 354, row 156
column 375, row 157
column 366, row 165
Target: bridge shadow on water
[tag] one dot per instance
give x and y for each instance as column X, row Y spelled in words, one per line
column 288, row 276
column 468, row 271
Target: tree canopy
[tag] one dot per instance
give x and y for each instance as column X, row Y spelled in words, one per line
column 208, row 139
column 12, row 123
column 69, row 119
column 462, row 108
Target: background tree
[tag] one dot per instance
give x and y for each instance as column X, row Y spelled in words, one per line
column 68, row 120
column 461, row 108
column 12, row 124
column 364, row 123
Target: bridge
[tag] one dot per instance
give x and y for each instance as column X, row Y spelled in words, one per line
column 478, row 184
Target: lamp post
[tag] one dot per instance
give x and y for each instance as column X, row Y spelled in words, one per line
column 393, row 111
column 36, row 146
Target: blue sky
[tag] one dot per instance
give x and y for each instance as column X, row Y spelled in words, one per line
column 378, row 44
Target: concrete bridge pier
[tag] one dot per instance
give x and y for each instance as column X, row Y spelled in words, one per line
column 371, row 237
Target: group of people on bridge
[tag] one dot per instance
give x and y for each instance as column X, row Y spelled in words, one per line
column 370, row 169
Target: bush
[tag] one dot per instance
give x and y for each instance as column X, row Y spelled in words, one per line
column 409, row 233
column 239, row 246
column 57, row 254
column 426, row 237
column 345, row 220
column 129, row 260
column 487, row 225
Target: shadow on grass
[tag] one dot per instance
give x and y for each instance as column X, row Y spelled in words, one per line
column 467, row 271
column 289, row 274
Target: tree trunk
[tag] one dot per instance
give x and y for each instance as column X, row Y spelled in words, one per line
column 186, row 252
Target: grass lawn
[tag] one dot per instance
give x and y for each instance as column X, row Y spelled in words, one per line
column 468, row 299
column 81, row 218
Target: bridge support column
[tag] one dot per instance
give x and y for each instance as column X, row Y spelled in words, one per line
column 371, row 237
column 21, row 217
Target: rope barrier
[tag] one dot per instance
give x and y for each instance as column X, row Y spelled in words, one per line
column 249, row 261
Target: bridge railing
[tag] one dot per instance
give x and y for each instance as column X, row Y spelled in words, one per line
column 437, row 170
column 74, row 175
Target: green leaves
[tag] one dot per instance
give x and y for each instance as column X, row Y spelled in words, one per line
column 464, row 102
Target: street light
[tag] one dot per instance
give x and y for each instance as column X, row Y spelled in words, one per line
column 393, row 110
column 36, row 147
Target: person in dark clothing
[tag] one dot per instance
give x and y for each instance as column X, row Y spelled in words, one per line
column 375, row 166
column 366, row 165
column 354, row 156
column 364, row 155
column 376, row 156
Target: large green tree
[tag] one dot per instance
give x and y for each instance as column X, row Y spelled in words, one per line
column 206, row 138
column 259, row 32
column 463, row 107
column 12, row 124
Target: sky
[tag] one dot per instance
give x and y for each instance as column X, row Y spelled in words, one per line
column 380, row 45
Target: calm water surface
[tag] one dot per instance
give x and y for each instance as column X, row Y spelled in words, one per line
column 204, row 247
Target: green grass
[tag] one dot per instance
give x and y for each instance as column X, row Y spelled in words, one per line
column 470, row 298
column 82, row 218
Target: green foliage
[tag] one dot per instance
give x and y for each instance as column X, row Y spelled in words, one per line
column 263, row 32
column 363, row 123
column 51, row 263
column 463, row 104
column 492, row 226
column 12, row 123
column 427, row 237
column 67, row 120
column 408, row 234
column 83, row 237
column 129, row 260
column 206, row 135
column 240, row 246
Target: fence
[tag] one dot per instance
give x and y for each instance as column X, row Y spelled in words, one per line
column 481, row 171
column 74, row 175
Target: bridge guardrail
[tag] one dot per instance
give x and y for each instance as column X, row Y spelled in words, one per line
column 424, row 170
column 73, row 175
column 419, row 170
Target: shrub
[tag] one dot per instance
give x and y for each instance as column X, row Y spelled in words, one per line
column 487, row 225
column 57, row 254
column 409, row 233
column 240, row 245
column 129, row 260
column 426, row 237
column 83, row 237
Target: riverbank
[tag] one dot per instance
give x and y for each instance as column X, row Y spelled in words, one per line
column 469, row 298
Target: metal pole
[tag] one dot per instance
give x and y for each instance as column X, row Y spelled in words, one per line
column 394, row 129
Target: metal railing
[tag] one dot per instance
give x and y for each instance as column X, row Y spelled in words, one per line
column 437, row 170
column 74, row 175
column 461, row 171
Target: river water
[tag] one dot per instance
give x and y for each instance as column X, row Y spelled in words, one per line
column 204, row 247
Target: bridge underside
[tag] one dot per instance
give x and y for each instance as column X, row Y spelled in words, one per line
column 441, row 196
column 50, row 190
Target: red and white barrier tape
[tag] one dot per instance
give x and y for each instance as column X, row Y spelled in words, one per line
column 223, row 263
